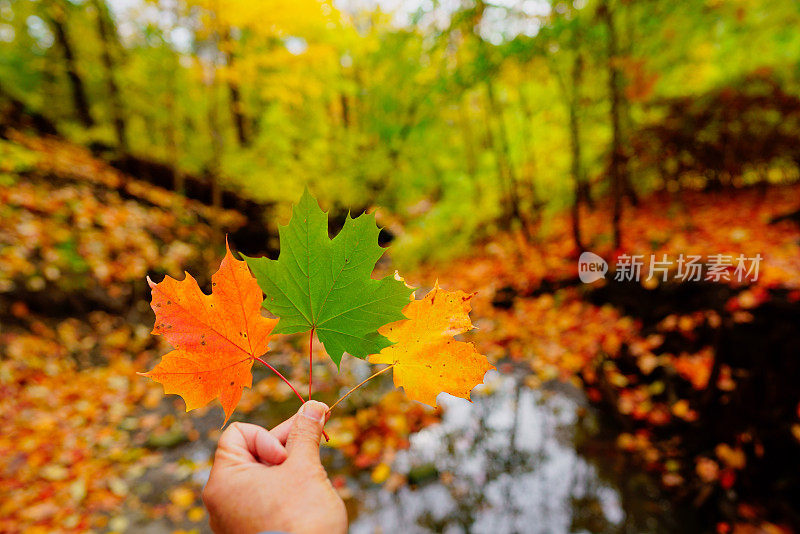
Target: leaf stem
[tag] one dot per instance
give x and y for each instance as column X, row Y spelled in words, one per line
column 343, row 397
column 284, row 379
column 302, row 400
column 310, row 360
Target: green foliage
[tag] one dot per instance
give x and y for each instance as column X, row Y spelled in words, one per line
column 469, row 114
column 14, row 159
column 324, row 285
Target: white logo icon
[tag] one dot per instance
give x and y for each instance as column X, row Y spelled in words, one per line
column 591, row 267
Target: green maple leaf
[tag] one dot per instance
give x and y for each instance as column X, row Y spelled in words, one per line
column 323, row 284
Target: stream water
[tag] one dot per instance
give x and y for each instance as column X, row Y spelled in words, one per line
column 509, row 462
column 514, row 460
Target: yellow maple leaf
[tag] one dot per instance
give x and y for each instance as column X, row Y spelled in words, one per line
column 426, row 358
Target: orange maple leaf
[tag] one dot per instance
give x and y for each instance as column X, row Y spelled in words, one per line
column 426, row 358
column 216, row 337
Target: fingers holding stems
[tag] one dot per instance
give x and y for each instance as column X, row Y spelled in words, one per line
column 245, row 442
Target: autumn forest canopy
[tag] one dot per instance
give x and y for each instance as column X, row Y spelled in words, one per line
column 492, row 142
column 455, row 118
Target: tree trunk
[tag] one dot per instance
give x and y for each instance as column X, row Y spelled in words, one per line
column 345, row 104
column 58, row 17
column 173, row 123
column 50, row 81
column 528, row 171
column 240, row 121
column 178, row 179
column 105, row 30
column 238, row 116
column 470, row 159
column 216, row 147
column 626, row 119
column 617, row 156
column 501, row 151
column 575, row 146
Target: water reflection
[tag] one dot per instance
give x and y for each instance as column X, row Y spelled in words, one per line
column 506, row 463
column 516, row 460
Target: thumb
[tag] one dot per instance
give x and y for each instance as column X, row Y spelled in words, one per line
column 304, row 438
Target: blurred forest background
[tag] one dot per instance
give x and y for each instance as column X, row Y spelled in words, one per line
column 496, row 140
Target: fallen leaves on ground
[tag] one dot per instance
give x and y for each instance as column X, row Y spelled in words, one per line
column 66, row 458
column 375, row 433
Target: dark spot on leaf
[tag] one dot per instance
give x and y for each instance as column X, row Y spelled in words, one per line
column 231, row 382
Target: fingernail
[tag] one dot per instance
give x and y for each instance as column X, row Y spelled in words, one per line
column 314, row 410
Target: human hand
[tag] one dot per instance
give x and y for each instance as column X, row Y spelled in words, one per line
column 259, row 485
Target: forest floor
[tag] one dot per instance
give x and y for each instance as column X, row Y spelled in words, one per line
column 698, row 378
